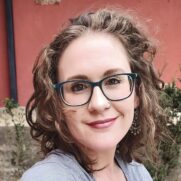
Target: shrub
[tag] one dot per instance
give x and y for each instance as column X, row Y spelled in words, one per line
column 169, row 148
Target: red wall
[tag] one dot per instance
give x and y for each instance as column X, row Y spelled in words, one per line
column 4, row 78
column 36, row 25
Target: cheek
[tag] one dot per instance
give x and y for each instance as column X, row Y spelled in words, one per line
column 125, row 107
column 69, row 116
column 73, row 120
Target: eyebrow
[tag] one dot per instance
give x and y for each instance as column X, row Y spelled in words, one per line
column 107, row 73
column 74, row 77
column 113, row 71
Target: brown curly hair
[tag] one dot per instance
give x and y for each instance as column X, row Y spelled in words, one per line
column 46, row 104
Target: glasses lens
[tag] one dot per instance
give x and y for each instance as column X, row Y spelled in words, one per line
column 117, row 87
column 76, row 92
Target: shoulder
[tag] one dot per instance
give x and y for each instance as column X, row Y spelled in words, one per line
column 52, row 168
column 55, row 167
column 135, row 171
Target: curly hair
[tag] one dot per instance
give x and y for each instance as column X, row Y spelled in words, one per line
column 46, row 104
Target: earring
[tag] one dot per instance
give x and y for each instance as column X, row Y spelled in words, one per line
column 135, row 128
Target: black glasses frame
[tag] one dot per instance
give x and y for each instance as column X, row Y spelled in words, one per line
column 59, row 87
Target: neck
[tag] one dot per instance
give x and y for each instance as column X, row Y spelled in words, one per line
column 103, row 158
column 106, row 166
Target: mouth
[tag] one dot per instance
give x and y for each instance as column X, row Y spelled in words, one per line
column 100, row 124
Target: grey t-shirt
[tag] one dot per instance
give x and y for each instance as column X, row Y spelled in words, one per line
column 62, row 167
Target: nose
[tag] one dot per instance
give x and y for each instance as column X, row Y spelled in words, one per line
column 98, row 102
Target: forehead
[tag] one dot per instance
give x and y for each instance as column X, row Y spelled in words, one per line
column 92, row 54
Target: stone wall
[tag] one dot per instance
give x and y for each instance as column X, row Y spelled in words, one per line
column 17, row 150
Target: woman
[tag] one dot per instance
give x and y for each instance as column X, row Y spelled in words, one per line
column 96, row 101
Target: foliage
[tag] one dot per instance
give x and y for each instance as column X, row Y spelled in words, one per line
column 169, row 148
column 10, row 104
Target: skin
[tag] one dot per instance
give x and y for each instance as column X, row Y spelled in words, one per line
column 93, row 55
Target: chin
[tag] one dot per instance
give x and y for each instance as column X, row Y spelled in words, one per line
column 103, row 145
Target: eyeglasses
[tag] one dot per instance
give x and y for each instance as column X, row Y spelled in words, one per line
column 79, row 92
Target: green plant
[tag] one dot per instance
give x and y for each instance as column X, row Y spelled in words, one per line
column 169, row 148
column 171, row 102
column 10, row 104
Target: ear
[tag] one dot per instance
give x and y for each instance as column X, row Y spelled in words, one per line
column 136, row 101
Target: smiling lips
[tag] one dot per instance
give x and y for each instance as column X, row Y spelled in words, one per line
column 100, row 124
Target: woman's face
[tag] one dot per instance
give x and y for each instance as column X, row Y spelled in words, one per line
column 100, row 124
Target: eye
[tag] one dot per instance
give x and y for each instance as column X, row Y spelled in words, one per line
column 113, row 81
column 78, row 87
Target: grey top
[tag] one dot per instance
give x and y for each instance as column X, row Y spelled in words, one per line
column 62, row 167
